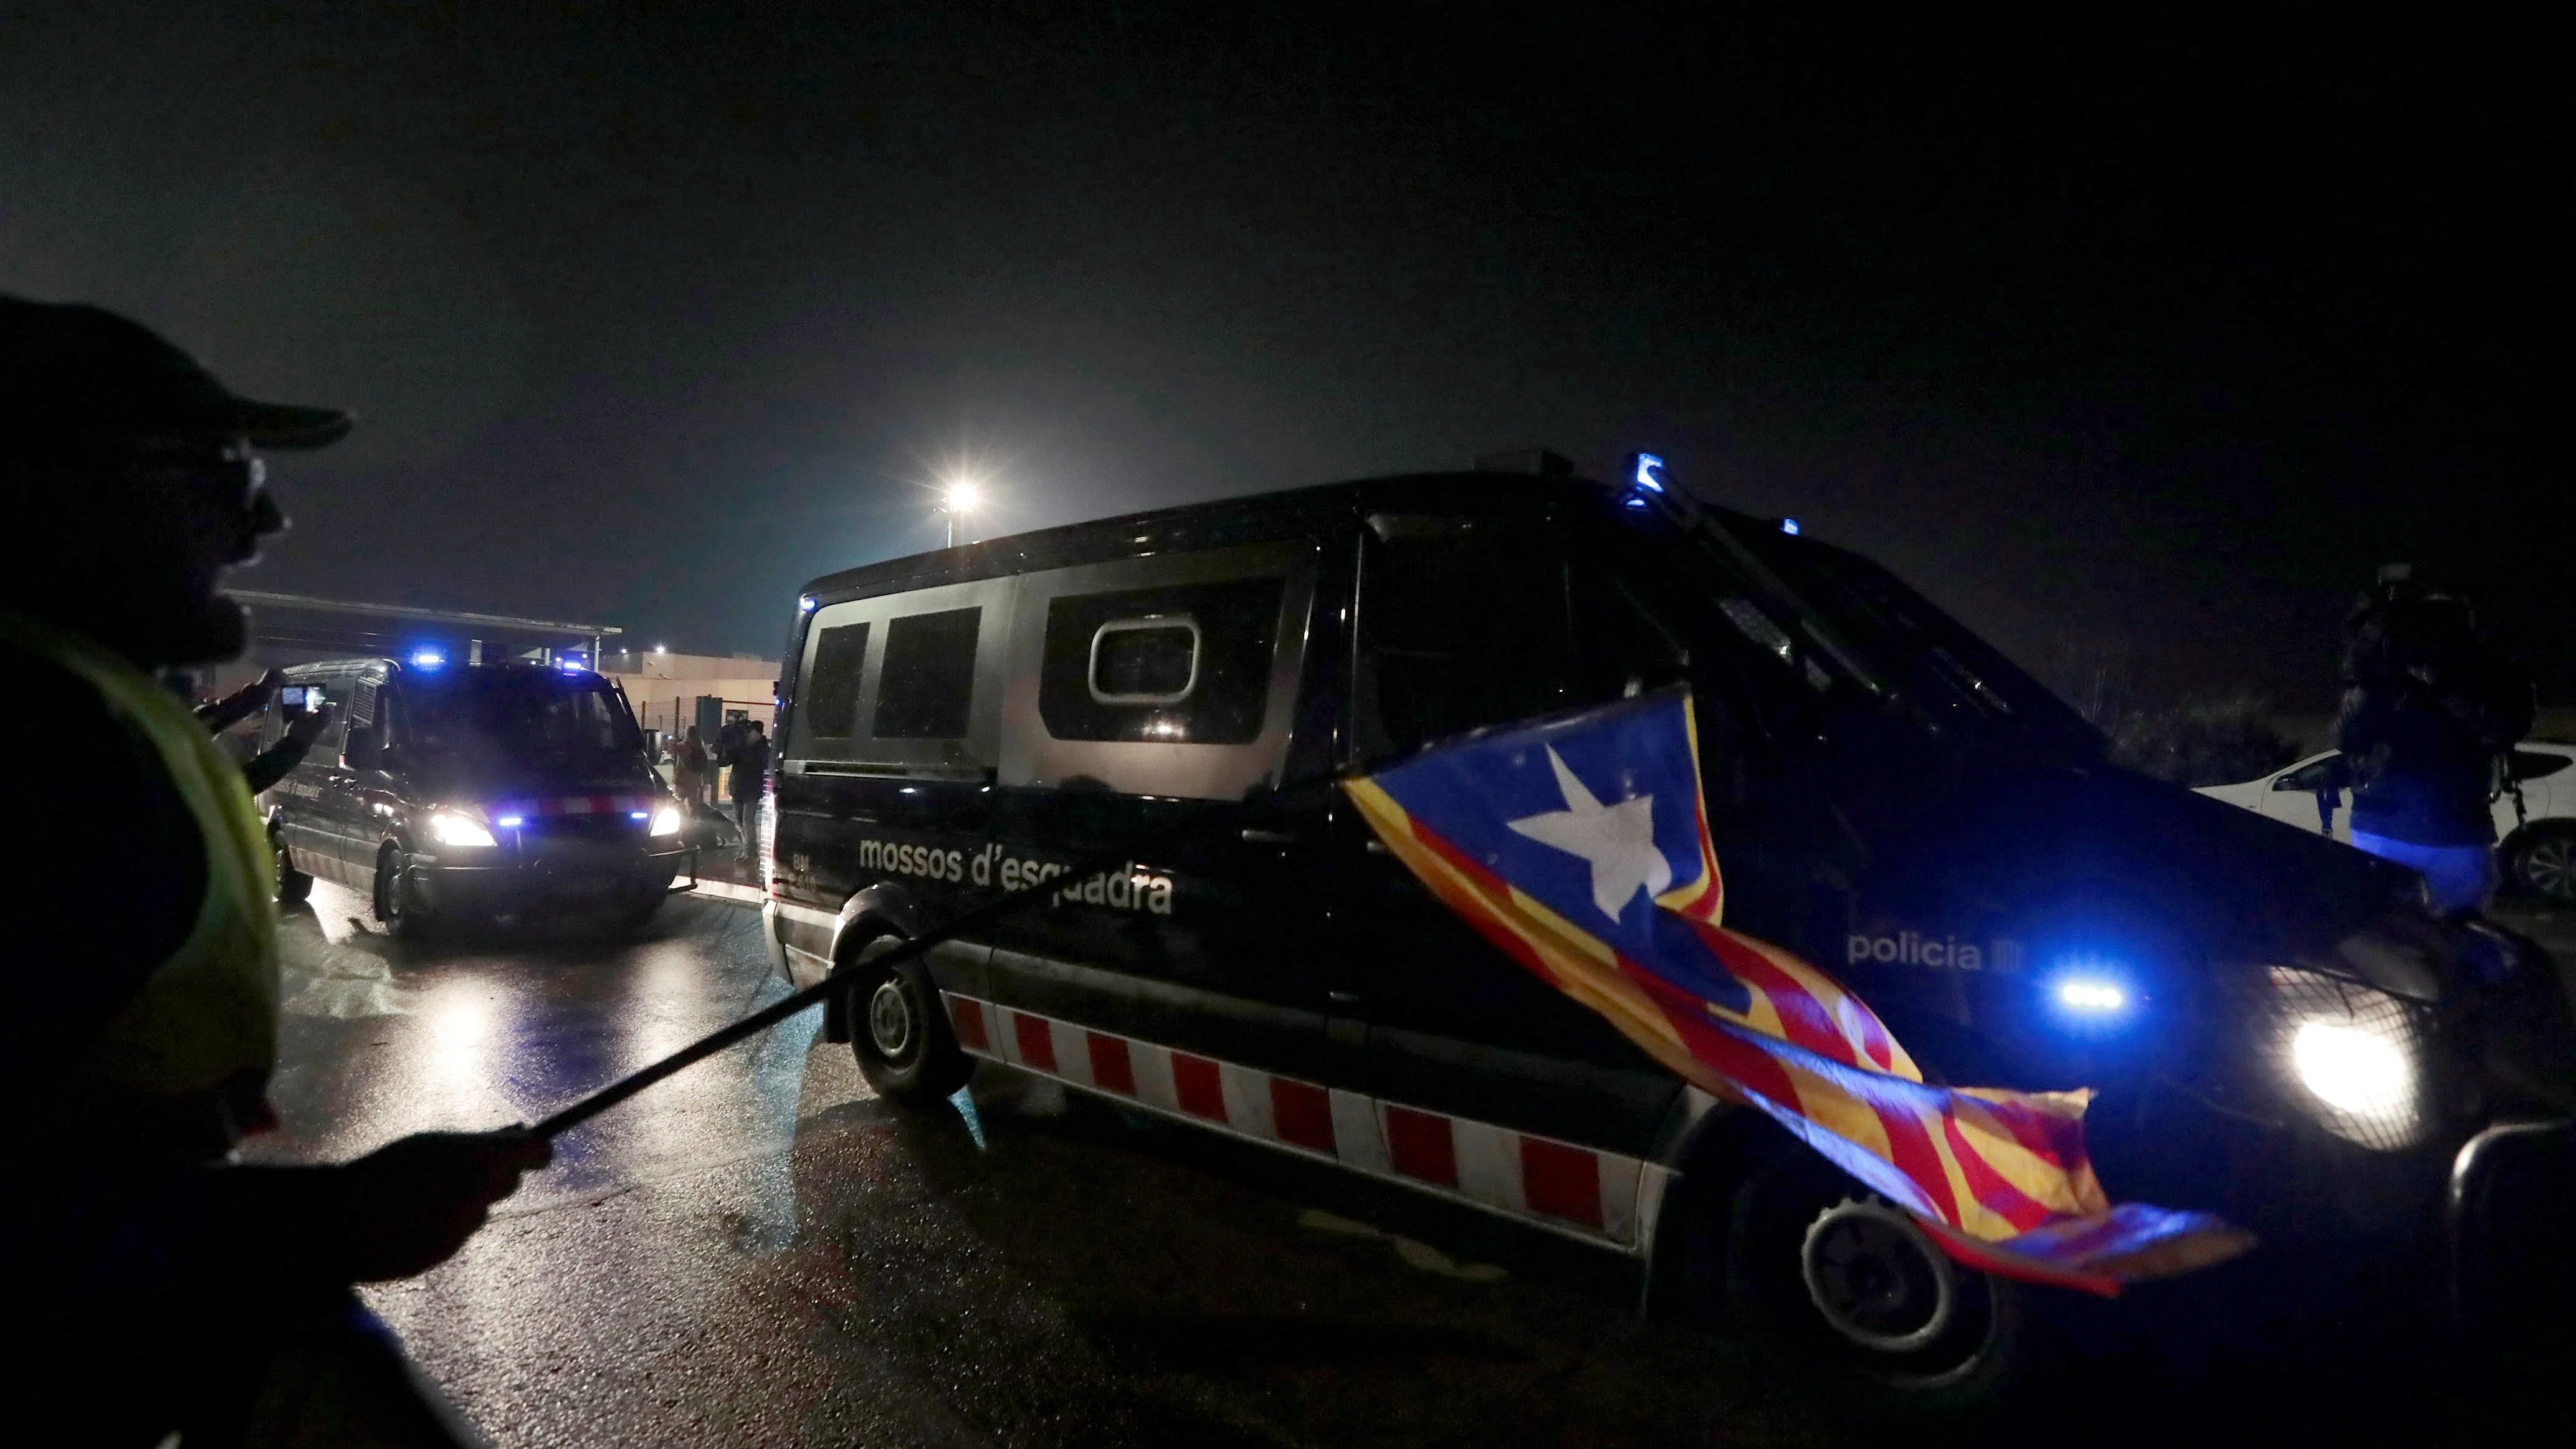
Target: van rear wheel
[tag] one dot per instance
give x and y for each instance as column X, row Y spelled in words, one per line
column 898, row 1033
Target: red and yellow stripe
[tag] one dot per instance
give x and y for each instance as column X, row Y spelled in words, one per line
column 2001, row 1177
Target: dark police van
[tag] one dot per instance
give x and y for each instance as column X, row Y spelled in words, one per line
column 2277, row 1029
column 459, row 790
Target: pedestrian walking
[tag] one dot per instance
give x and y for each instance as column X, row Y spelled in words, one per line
column 154, row 1287
column 689, row 770
column 750, row 765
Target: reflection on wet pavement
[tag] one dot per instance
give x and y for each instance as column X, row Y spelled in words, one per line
column 760, row 1251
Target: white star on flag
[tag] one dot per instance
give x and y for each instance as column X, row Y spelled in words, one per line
column 1619, row 840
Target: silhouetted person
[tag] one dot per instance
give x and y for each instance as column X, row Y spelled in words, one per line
column 2430, row 715
column 219, row 715
column 150, row 1287
column 689, row 770
column 265, row 769
column 273, row 764
column 749, row 762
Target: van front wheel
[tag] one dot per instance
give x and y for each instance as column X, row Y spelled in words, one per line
column 903, row 1044
column 397, row 905
column 292, row 885
column 1845, row 1288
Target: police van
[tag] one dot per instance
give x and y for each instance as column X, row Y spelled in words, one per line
column 444, row 791
column 2276, row 1029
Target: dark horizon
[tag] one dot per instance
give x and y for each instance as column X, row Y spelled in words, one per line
column 2137, row 342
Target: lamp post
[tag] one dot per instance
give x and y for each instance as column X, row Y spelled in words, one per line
column 962, row 496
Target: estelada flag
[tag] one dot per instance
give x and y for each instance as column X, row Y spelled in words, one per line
column 1545, row 836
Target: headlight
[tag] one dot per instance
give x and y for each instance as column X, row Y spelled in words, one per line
column 2356, row 1052
column 2353, row 1069
column 449, row 828
column 666, row 821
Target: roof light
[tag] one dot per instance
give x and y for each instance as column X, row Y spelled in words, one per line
column 427, row 659
column 1648, row 473
column 511, row 822
column 1789, row 526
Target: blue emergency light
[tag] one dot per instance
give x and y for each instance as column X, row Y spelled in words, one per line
column 805, row 604
column 427, row 659
column 2090, row 994
column 1649, row 473
column 1789, row 526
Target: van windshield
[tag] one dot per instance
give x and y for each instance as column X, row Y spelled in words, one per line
column 1959, row 682
column 506, row 726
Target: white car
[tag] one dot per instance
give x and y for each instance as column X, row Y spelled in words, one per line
column 2537, row 843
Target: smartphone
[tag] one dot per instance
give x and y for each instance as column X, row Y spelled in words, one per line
column 292, row 696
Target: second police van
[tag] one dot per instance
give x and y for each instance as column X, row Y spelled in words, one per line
column 1890, row 797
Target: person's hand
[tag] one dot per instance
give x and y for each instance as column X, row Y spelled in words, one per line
column 307, row 727
column 408, row 1206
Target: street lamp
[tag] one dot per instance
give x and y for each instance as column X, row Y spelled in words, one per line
column 961, row 496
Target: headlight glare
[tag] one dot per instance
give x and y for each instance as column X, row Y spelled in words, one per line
column 666, row 821
column 449, row 828
column 2356, row 1056
column 2353, row 1069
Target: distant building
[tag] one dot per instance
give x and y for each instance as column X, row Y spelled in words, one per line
column 665, row 688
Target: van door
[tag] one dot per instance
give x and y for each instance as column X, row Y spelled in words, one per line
column 1466, row 622
column 353, row 829
column 1147, row 693
column 305, row 798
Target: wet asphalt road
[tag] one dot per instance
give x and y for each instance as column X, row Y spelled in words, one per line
column 760, row 1251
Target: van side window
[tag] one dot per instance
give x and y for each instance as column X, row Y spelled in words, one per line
column 1465, row 628
column 926, row 689
column 326, row 746
column 832, row 694
column 1188, row 663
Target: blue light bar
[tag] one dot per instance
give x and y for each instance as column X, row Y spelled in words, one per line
column 639, row 814
column 427, row 659
column 1789, row 526
column 2092, row 995
column 1650, row 473
column 511, row 822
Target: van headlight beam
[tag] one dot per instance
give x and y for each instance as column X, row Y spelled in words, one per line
column 2354, row 1054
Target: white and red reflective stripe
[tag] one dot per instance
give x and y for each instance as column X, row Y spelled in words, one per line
column 1598, row 1197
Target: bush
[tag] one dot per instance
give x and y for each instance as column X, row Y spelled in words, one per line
column 2201, row 741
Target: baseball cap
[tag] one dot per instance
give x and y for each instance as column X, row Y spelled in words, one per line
column 75, row 374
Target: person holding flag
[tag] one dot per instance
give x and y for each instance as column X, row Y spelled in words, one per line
column 153, row 1286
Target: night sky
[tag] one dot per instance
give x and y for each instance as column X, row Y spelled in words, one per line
column 2142, row 343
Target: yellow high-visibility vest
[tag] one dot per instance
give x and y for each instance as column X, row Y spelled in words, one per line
column 209, row 1012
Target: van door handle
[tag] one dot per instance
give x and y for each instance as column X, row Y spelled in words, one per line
column 1255, row 835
